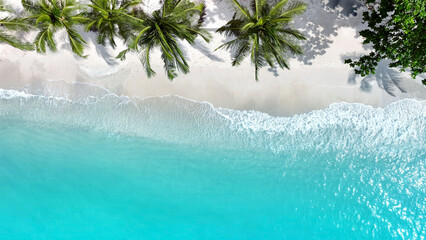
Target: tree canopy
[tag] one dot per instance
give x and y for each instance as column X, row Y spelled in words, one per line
column 263, row 31
column 396, row 31
column 12, row 23
column 176, row 20
column 111, row 19
column 51, row 15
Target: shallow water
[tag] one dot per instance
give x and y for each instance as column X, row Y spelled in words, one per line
column 170, row 168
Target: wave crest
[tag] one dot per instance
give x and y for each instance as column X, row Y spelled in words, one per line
column 179, row 120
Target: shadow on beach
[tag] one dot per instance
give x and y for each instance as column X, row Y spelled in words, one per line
column 320, row 22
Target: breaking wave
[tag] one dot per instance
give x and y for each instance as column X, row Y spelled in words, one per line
column 362, row 168
column 179, row 120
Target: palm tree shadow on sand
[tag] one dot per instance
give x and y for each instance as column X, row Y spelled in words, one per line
column 202, row 48
column 388, row 79
column 101, row 50
column 319, row 23
column 90, row 37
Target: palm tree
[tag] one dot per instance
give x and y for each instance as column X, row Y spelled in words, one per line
column 49, row 16
column 176, row 20
column 264, row 33
column 112, row 18
column 13, row 24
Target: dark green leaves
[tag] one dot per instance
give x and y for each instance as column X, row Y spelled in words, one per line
column 263, row 33
column 8, row 24
column 14, row 41
column 396, row 31
column 49, row 16
column 175, row 21
column 111, row 19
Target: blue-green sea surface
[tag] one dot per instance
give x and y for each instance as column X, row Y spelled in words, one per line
column 170, row 168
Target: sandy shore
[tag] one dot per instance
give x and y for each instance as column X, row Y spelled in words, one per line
column 315, row 81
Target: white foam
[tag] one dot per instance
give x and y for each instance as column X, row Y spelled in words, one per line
column 176, row 119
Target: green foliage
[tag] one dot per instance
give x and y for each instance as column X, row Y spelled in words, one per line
column 396, row 30
column 111, row 19
column 264, row 33
column 3, row 7
column 49, row 16
column 176, row 20
column 12, row 24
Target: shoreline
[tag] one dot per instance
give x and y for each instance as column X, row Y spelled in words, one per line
column 102, row 94
column 184, row 121
column 314, row 82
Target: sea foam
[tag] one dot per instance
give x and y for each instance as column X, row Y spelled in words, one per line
column 350, row 170
column 180, row 120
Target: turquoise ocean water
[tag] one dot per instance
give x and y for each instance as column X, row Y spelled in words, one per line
column 169, row 168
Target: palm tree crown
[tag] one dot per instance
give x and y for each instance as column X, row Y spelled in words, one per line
column 13, row 24
column 176, row 20
column 51, row 15
column 264, row 33
column 112, row 18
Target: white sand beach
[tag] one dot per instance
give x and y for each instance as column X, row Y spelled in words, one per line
column 314, row 81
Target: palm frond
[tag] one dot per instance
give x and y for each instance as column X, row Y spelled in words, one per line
column 76, row 42
column 4, row 7
column 51, row 15
column 40, row 41
column 122, row 54
column 269, row 34
column 12, row 23
column 242, row 51
column 30, row 6
column 169, row 67
column 242, row 10
column 177, row 20
column 278, row 8
column 295, row 33
column 112, row 19
column 146, row 61
column 296, row 8
column 15, row 42
column 257, row 6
